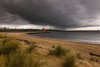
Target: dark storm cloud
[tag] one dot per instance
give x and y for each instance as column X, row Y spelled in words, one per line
column 59, row 13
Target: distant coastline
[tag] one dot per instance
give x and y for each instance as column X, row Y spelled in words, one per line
column 39, row 30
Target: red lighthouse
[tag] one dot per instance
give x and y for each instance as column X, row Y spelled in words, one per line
column 43, row 30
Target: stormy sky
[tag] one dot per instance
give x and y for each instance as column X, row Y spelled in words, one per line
column 64, row 14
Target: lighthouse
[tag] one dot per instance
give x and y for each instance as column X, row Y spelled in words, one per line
column 43, row 29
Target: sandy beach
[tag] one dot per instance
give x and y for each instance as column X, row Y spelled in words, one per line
column 44, row 44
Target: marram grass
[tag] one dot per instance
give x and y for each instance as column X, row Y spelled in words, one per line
column 8, row 46
column 11, row 55
column 59, row 51
column 2, row 35
column 69, row 60
column 23, row 59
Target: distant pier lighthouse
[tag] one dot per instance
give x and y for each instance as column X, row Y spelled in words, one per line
column 43, row 29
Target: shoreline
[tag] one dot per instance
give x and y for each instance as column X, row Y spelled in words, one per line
column 77, row 47
column 28, row 34
column 25, row 34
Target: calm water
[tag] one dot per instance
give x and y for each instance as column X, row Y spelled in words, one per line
column 86, row 37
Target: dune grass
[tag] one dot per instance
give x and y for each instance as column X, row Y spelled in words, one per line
column 20, row 59
column 2, row 35
column 8, row 46
column 11, row 55
column 69, row 60
column 59, row 51
column 30, row 48
column 24, row 59
column 3, row 60
column 79, row 56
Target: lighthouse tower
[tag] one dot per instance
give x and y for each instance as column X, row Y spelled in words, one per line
column 43, row 30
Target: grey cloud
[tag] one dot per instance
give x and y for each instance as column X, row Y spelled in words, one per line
column 58, row 13
column 11, row 19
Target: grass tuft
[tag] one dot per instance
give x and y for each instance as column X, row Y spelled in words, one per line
column 3, row 61
column 30, row 48
column 2, row 35
column 69, row 60
column 12, row 56
column 8, row 46
column 23, row 59
column 79, row 56
column 58, row 51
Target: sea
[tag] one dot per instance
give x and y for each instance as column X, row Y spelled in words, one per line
column 92, row 37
